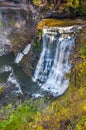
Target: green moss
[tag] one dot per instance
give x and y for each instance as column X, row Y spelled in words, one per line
column 12, row 22
column 2, row 25
column 83, row 51
column 38, row 42
column 1, row 90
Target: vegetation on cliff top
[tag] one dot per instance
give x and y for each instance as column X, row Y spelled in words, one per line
column 73, row 7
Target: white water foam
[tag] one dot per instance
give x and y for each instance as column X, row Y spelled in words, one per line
column 37, row 95
column 5, row 68
column 54, row 30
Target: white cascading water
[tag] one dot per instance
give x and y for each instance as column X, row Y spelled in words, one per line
column 5, row 68
column 12, row 80
column 21, row 55
column 54, row 59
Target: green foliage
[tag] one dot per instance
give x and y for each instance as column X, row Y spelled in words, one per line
column 23, row 116
column 37, row 45
column 37, row 2
column 83, row 51
column 78, row 74
column 81, row 125
column 73, row 3
column 64, row 113
column 78, row 7
column 12, row 22
column 1, row 90
column 67, row 112
column 18, row 118
column 2, row 25
column 82, row 10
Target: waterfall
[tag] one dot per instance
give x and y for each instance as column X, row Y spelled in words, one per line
column 54, row 62
column 21, row 55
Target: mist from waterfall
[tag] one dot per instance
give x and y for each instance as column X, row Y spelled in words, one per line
column 54, row 62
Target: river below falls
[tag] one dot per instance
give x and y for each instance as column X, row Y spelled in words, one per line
column 18, row 79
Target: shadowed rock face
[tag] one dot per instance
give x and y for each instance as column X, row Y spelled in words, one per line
column 15, row 1
column 19, row 27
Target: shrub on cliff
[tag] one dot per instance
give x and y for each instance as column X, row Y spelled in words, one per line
column 1, row 90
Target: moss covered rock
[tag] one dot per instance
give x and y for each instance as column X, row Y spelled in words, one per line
column 1, row 90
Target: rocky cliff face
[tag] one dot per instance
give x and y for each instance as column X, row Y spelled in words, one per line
column 21, row 22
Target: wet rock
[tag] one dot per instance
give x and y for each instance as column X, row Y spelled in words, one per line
column 8, row 97
column 5, row 49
